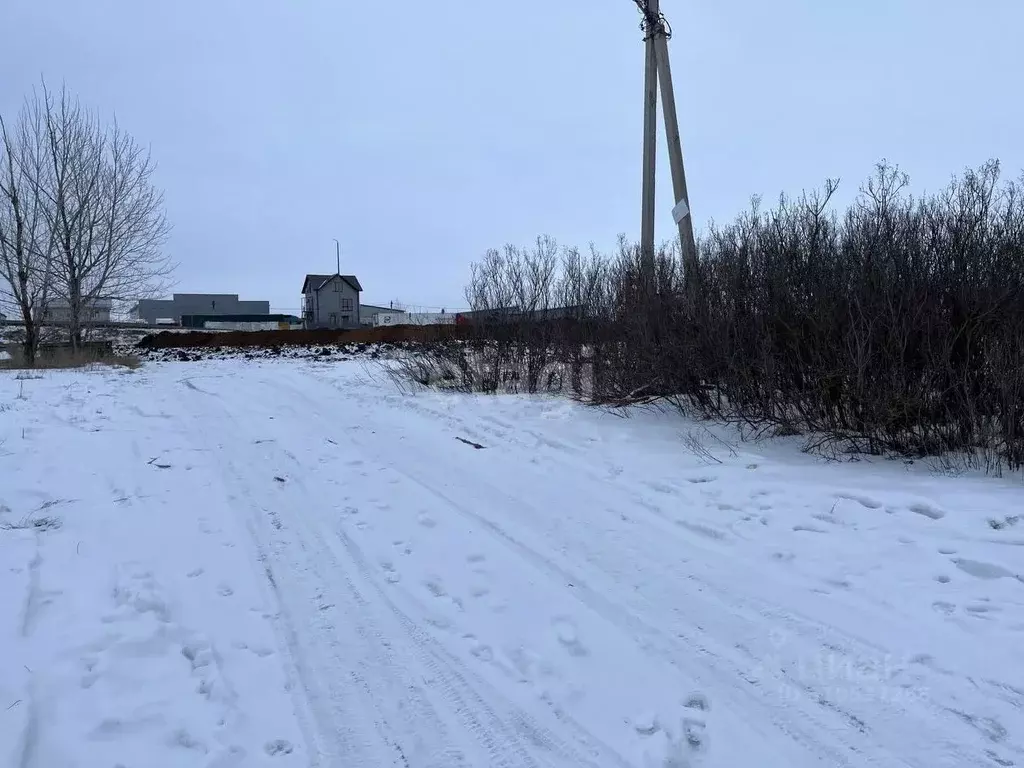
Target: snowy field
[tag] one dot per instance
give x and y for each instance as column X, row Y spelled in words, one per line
column 290, row 563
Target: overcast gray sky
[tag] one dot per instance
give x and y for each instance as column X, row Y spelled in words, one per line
column 421, row 137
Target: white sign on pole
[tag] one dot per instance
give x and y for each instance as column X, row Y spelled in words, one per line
column 681, row 211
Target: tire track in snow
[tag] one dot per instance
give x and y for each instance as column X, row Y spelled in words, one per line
column 797, row 719
column 652, row 638
column 889, row 721
column 425, row 719
column 326, row 720
column 841, row 726
column 504, row 747
column 409, row 464
column 586, row 740
column 439, row 656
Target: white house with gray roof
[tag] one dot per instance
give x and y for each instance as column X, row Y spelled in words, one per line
column 331, row 301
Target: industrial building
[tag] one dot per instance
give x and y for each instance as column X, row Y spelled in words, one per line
column 154, row 310
column 414, row 318
column 242, row 322
column 368, row 315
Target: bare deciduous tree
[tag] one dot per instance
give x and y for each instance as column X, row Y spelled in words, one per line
column 105, row 216
column 25, row 245
column 81, row 221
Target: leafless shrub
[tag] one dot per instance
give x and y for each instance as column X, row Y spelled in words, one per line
column 892, row 328
column 699, row 449
column 432, row 369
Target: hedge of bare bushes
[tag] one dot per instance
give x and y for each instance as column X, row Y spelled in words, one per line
column 895, row 326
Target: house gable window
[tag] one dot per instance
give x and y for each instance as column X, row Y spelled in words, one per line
column 346, row 305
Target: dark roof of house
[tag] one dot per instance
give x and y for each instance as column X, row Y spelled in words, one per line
column 316, row 282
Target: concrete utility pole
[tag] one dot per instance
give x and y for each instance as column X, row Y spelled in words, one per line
column 657, row 68
column 650, row 158
column 337, row 253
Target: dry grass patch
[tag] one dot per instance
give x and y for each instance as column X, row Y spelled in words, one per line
column 59, row 358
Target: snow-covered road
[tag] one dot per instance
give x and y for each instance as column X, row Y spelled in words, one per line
column 291, row 563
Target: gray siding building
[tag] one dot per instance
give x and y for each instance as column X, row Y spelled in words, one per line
column 331, row 301
column 151, row 310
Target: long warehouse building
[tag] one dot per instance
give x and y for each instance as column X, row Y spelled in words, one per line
column 152, row 310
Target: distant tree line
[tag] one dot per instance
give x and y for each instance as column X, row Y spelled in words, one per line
column 893, row 327
column 80, row 219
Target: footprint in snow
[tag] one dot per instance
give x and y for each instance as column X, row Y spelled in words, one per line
column 982, row 570
column 483, row 652
column 676, row 746
column 646, row 723
column 426, row 520
column 198, row 655
column 402, row 546
column 809, row 528
column 696, row 706
column 982, row 607
column 278, row 747
column 435, row 588
column 840, row 583
column 260, row 650
column 182, row 738
column 660, row 487
column 567, row 635
column 927, row 510
column 440, row 622
column 865, row 501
